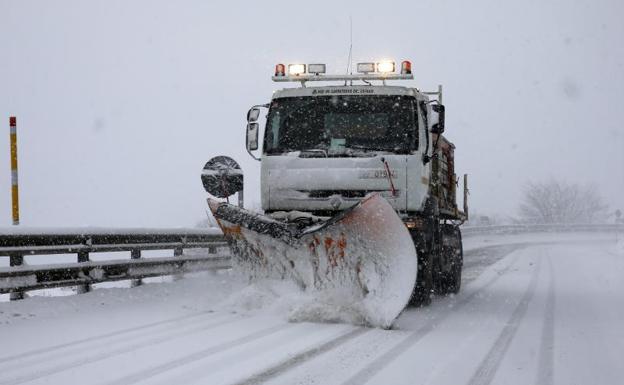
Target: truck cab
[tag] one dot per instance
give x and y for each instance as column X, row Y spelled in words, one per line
column 327, row 147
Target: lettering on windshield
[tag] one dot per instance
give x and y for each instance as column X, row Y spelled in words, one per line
column 350, row 91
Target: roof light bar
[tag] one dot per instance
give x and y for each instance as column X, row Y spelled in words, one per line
column 325, row 78
column 382, row 70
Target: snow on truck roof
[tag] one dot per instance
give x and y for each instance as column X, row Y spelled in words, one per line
column 348, row 90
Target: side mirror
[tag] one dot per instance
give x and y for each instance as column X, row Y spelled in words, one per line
column 252, row 136
column 253, row 114
column 253, row 129
column 437, row 125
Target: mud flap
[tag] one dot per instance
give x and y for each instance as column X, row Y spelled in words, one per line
column 363, row 259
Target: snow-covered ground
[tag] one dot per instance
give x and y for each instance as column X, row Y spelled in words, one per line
column 541, row 309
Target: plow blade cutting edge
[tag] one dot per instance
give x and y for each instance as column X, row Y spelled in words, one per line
column 362, row 260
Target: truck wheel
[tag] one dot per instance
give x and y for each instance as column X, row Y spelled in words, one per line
column 453, row 279
column 447, row 275
column 421, row 296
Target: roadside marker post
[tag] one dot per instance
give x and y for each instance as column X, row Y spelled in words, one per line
column 15, row 259
column 14, row 184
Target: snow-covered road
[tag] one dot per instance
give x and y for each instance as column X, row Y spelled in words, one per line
column 537, row 314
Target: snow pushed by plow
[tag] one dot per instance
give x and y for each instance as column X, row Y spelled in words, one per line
column 286, row 300
column 358, row 267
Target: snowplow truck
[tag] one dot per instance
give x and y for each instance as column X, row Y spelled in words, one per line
column 358, row 191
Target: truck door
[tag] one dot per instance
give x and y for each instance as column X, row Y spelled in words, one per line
column 418, row 174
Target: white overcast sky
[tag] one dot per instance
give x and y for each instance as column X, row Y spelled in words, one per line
column 120, row 103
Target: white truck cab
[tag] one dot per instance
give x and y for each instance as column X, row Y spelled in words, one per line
column 327, row 147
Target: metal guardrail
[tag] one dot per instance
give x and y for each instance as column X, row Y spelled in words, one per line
column 63, row 241
column 23, row 278
column 16, row 243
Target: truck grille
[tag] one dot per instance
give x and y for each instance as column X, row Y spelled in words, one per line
column 343, row 193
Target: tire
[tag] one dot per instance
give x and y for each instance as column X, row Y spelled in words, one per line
column 454, row 283
column 421, row 296
column 449, row 282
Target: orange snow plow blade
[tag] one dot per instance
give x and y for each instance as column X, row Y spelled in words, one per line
column 362, row 259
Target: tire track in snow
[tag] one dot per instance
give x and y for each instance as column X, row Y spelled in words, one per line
column 487, row 255
column 488, row 367
column 123, row 340
column 302, row 357
column 365, row 374
column 34, row 374
column 90, row 340
column 199, row 355
column 546, row 357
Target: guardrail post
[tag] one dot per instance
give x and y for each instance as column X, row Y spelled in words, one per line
column 177, row 252
column 83, row 256
column 16, row 260
column 135, row 254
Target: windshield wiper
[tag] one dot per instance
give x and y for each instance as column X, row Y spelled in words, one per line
column 369, row 148
column 394, row 150
column 321, row 150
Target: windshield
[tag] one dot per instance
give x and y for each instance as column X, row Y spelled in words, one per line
column 340, row 122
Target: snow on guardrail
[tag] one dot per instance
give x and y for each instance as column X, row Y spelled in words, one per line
column 540, row 228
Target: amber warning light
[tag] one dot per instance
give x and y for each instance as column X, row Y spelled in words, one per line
column 406, row 67
column 280, row 70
